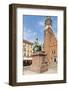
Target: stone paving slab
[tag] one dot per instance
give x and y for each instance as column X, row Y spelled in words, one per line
column 51, row 69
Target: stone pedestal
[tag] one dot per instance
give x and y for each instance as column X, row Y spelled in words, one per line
column 39, row 62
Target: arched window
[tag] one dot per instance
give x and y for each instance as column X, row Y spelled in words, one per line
column 54, row 59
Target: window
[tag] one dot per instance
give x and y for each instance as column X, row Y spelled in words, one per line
column 51, row 58
column 28, row 55
column 54, row 59
column 24, row 53
column 24, row 47
column 54, row 52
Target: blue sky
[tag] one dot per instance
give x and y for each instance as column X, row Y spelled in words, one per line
column 34, row 27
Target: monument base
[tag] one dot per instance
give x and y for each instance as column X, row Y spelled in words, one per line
column 39, row 62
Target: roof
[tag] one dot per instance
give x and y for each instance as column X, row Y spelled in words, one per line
column 26, row 41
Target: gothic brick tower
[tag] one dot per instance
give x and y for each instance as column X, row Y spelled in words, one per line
column 50, row 41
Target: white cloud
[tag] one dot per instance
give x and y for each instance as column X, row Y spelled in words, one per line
column 29, row 35
column 41, row 23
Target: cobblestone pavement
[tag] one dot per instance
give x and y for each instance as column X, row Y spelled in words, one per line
column 51, row 69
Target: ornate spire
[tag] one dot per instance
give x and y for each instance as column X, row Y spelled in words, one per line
column 48, row 21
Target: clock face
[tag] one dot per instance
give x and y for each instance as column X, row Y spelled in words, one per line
column 48, row 22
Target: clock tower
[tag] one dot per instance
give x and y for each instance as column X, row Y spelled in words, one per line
column 50, row 42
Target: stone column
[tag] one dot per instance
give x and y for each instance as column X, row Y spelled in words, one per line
column 39, row 62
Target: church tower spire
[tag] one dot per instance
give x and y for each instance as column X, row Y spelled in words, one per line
column 48, row 23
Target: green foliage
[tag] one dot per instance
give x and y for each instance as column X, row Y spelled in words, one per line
column 36, row 46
